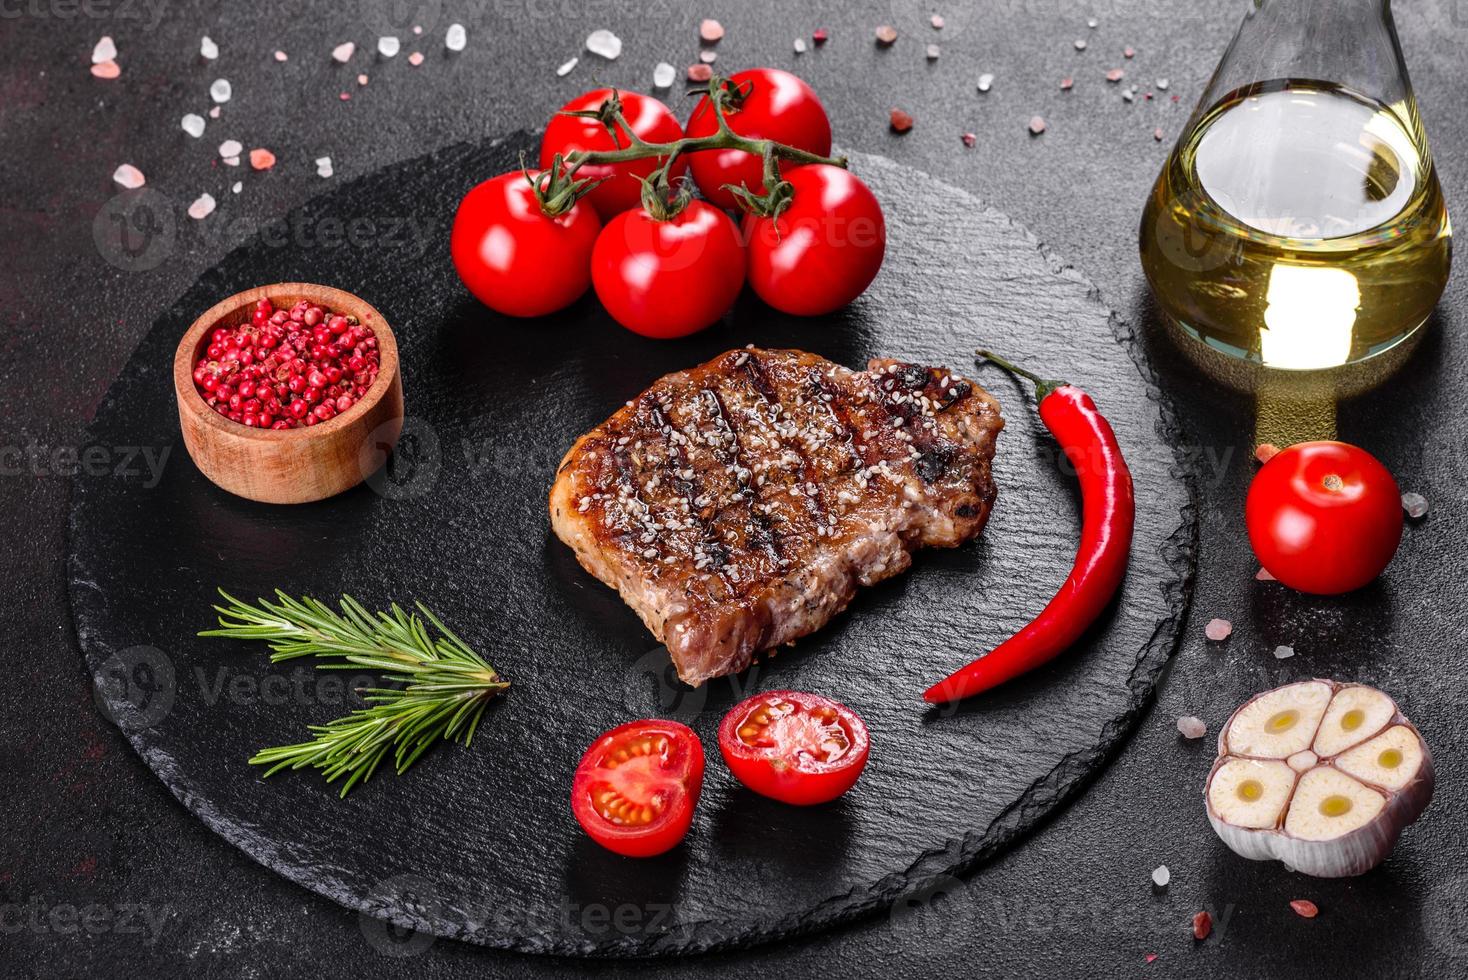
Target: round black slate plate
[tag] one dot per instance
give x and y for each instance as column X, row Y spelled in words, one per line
column 479, row 844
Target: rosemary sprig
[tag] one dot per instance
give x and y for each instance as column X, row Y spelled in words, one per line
column 445, row 684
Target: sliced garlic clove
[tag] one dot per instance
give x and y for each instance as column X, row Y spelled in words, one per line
column 1355, row 714
column 1391, row 760
column 1332, row 810
column 1278, row 723
column 1329, row 804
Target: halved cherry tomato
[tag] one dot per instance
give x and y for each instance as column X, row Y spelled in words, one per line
column 515, row 258
column 770, row 104
column 668, row 278
column 794, row 747
column 650, row 120
column 1324, row 517
column 636, row 787
column 825, row 248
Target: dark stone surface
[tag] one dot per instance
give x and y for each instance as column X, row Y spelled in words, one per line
column 459, row 521
column 89, row 830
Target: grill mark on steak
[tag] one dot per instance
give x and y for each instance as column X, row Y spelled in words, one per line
column 714, row 466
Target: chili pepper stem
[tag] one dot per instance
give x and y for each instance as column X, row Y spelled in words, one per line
column 1043, row 386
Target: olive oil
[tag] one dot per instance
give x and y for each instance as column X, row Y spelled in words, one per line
column 1299, row 225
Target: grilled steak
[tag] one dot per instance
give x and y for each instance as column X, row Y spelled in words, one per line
column 736, row 506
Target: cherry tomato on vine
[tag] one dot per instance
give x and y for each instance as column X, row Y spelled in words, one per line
column 636, row 787
column 668, row 277
column 1324, row 517
column 650, row 120
column 824, row 249
column 515, row 258
column 794, row 747
column 768, row 104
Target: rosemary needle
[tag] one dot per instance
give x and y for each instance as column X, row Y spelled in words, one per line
column 445, row 685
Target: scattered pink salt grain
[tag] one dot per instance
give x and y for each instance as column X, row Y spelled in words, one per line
column 820, row 35
column 415, row 59
column 1151, row 957
column 214, row 113
column 202, row 208
column 1157, row 133
column 1191, row 727
column 1263, row 575
column 1129, row 53
column 700, row 73
column 262, row 159
column 362, row 79
column 711, row 31
column 969, row 139
column 281, row 56
column 1305, row 908
column 1066, row 84
column 104, row 50
column 1266, row 451
column 1037, row 125
column 708, row 57
column 417, row 29
column 345, row 96
column 342, row 53
column 1415, row 505
column 900, row 121
column 1218, row 630
column 1115, row 75
column 128, row 176
column 886, row 35
column 107, row 70
column 937, row 21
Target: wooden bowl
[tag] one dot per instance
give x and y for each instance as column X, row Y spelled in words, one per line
column 290, row 466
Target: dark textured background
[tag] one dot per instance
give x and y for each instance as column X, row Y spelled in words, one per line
column 88, row 832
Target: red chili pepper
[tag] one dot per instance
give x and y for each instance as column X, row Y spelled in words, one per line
column 1108, row 514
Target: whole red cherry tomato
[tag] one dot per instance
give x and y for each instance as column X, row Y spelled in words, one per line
column 824, row 249
column 794, row 747
column 515, row 258
column 668, row 278
column 1324, row 517
column 768, row 104
column 636, row 787
column 650, row 120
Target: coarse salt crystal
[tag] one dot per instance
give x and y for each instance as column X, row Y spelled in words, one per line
column 1066, row 84
column 1093, row 23
column 193, row 125
column 231, row 148
column 1161, row 876
column 231, row 161
column 700, row 73
column 1266, row 451
column 1037, row 125
column 1305, row 908
column 1191, row 727
column 281, row 56
column 937, row 21
column 262, row 159
column 708, row 57
column 343, row 52
column 362, row 79
column 107, row 70
column 663, row 76
column 323, row 167
column 1129, row 53
column 1157, row 134
column 1263, row 575
column 1283, row 652
column 1415, row 505
column 820, row 35
column 901, row 122
column 417, row 28
column 208, row 50
column 1163, row 84
column 388, row 46
column 456, row 38
column 128, row 176
column 1115, row 75
column 565, row 67
column 800, row 45
column 237, row 186
column 986, row 82
column 711, row 31
column 202, row 208
column 933, row 52
column 1218, row 630
column 214, row 113
column 104, row 50
column 415, row 59
column 886, row 35
column 604, row 43
column 1081, row 45
column 220, row 90
column 969, row 139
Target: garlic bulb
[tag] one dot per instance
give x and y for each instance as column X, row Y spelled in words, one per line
column 1320, row 775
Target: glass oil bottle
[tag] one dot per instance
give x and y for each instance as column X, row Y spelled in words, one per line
column 1298, row 224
